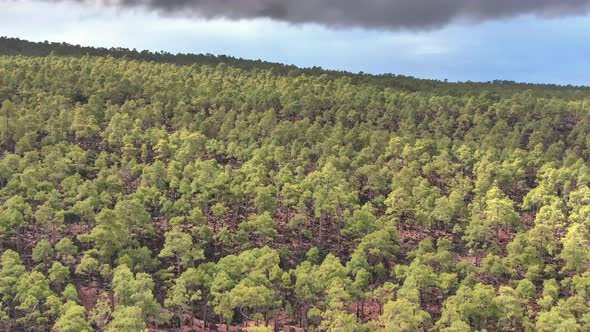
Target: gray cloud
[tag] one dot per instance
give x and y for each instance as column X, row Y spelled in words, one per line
column 384, row 14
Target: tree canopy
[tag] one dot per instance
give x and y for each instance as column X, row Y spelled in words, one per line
column 155, row 191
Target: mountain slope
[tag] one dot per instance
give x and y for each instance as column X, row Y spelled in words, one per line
column 146, row 194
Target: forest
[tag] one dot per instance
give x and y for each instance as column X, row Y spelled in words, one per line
column 148, row 191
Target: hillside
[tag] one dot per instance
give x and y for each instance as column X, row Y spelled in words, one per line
column 169, row 192
column 15, row 46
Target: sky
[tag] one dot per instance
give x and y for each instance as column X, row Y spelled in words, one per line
column 538, row 44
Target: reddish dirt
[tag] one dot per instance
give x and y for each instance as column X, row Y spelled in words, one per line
column 199, row 326
column 371, row 310
column 528, row 219
column 88, row 296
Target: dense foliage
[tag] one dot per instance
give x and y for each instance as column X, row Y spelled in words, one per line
column 15, row 46
column 138, row 194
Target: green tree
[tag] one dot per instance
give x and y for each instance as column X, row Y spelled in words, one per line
column 135, row 291
column 88, row 266
column 133, row 215
column 512, row 309
column 72, row 319
column 184, row 294
column 109, row 235
column 66, row 250
column 11, row 271
column 404, row 315
column 331, row 193
column 71, row 294
column 14, row 213
column 492, row 214
column 102, row 311
column 261, row 227
column 32, row 293
column 126, row 319
column 59, row 274
column 43, row 253
column 575, row 251
column 179, row 245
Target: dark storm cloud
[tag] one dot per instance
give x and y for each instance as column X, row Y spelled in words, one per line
column 388, row 14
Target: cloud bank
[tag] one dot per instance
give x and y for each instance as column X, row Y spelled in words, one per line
column 376, row 14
